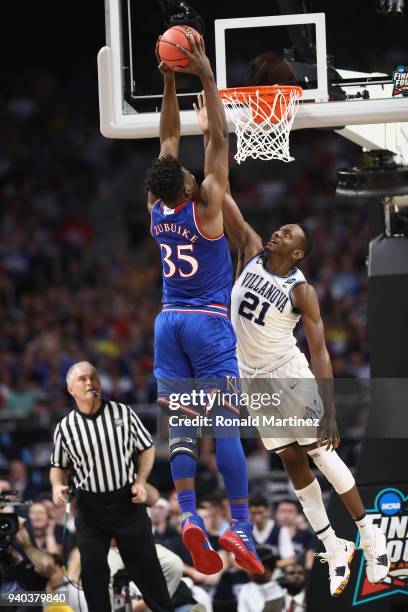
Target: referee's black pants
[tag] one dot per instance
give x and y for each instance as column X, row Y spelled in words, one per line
column 102, row 516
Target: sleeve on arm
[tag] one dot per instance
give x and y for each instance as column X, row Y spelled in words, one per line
column 59, row 455
column 143, row 439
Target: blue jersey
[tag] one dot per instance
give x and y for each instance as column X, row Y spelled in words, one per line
column 197, row 270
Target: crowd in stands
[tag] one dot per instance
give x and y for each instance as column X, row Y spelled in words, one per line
column 80, row 278
column 284, row 541
column 70, row 286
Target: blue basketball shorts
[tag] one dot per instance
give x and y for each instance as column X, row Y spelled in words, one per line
column 192, row 347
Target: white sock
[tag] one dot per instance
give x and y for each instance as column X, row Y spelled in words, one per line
column 365, row 527
column 312, row 502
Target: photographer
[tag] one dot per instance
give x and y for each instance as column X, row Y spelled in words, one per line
column 38, row 570
column 41, row 571
column 22, row 573
column 8, row 527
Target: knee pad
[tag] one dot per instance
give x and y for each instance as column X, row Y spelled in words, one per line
column 183, row 445
column 333, row 468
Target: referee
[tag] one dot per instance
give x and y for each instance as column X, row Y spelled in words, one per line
column 97, row 441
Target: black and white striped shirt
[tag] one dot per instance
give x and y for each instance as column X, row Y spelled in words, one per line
column 99, row 448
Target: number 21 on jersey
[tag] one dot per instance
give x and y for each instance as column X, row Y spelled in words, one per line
column 248, row 307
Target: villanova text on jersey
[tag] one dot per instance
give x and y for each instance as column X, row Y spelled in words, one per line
column 268, row 290
column 263, row 315
column 197, row 270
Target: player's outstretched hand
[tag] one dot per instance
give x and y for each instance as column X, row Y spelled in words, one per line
column 201, row 112
column 330, row 443
column 329, row 434
column 165, row 70
column 199, row 63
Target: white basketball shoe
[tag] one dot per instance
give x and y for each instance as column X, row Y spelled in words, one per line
column 376, row 556
column 339, row 565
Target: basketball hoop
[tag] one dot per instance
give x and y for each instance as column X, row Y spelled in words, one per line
column 263, row 118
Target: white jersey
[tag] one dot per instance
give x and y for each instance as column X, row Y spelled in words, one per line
column 263, row 316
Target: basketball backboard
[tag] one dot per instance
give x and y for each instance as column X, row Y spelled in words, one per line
column 342, row 54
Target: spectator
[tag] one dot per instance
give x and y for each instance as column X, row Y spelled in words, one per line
column 262, row 592
column 303, row 540
column 22, row 397
column 5, row 485
column 171, row 565
column 174, row 507
column 64, row 528
column 20, row 480
column 266, row 531
column 211, row 511
column 43, row 529
column 294, row 581
column 163, row 532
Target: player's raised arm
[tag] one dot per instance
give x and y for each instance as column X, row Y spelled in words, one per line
column 245, row 238
column 169, row 128
column 243, row 235
column 216, row 154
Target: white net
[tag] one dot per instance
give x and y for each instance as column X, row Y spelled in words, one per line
column 263, row 118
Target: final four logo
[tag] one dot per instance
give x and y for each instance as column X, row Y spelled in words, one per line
column 400, row 78
column 390, row 512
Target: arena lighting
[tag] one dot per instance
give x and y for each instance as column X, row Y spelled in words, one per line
column 379, row 176
column 391, row 7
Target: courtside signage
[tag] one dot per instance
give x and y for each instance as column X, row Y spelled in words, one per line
column 400, row 79
column 390, row 512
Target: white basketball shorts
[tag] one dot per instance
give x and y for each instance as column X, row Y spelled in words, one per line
column 293, row 412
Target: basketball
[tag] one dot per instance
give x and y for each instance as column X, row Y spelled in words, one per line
column 177, row 35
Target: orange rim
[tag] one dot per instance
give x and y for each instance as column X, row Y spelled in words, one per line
column 261, row 100
column 264, row 92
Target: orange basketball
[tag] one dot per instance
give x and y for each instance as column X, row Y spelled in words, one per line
column 177, row 35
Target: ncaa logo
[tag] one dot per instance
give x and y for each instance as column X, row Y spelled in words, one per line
column 390, row 503
column 400, row 79
column 390, row 513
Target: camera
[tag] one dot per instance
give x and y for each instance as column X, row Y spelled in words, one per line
column 9, row 526
column 8, row 520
